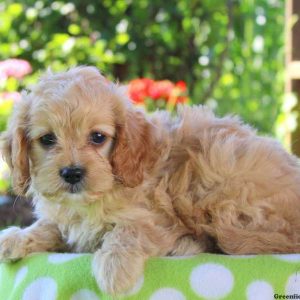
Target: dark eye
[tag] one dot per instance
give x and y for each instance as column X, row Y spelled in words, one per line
column 97, row 138
column 48, row 139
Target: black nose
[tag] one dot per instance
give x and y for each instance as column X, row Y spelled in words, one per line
column 72, row 175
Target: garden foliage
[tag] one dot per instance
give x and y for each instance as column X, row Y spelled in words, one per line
column 229, row 53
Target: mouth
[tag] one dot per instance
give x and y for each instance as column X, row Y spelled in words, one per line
column 75, row 188
column 71, row 194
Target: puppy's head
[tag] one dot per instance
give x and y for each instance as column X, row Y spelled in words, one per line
column 74, row 135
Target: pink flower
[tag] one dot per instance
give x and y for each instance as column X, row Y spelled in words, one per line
column 13, row 67
column 14, row 96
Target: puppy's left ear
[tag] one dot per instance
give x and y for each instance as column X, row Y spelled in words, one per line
column 15, row 147
column 134, row 151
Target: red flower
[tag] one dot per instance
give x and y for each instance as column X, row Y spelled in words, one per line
column 181, row 85
column 181, row 91
column 17, row 68
column 161, row 89
column 139, row 89
column 182, row 99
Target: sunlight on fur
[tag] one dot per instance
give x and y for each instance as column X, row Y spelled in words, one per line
column 107, row 178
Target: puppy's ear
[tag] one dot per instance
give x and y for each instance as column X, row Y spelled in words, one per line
column 15, row 147
column 134, row 151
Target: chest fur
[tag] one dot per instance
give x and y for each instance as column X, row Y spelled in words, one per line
column 82, row 229
column 84, row 236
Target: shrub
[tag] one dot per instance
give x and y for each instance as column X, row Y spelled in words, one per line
column 228, row 52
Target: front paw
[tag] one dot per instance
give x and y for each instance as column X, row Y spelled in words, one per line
column 12, row 244
column 116, row 272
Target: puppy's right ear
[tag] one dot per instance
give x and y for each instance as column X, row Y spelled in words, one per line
column 15, row 147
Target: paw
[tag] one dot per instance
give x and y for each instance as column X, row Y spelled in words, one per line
column 116, row 272
column 12, row 244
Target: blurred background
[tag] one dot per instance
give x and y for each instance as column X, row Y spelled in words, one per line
column 229, row 55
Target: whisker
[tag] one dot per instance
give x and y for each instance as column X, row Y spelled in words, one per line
column 15, row 200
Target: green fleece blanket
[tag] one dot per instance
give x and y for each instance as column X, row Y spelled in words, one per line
column 53, row 276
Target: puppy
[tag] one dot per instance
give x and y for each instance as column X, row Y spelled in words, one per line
column 106, row 178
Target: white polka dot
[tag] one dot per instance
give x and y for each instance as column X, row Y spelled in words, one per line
column 136, row 288
column 43, row 288
column 211, row 281
column 20, row 276
column 293, row 284
column 167, row 294
column 60, row 258
column 260, row 290
column 288, row 257
column 84, row 295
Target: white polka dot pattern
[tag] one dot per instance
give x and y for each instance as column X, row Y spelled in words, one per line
column 260, row 290
column 293, row 284
column 20, row 276
column 43, row 288
column 85, row 294
column 212, row 281
column 54, row 276
column 60, row 258
column 167, row 294
column 289, row 257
